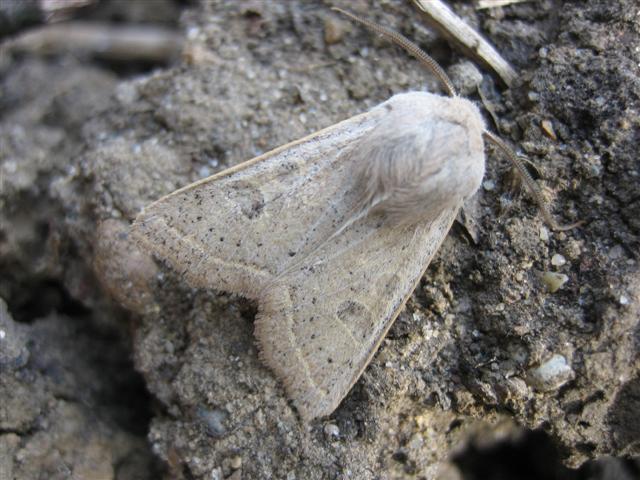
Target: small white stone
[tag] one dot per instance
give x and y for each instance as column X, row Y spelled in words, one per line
column 489, row 185
column 193, row 32
column 616, row 252
column 331, row 431
column 624, row 300
column 544, row 234
column 216, row 474
column 2, row 334
column 204, row 171
column 551, row 375
column 558, row 260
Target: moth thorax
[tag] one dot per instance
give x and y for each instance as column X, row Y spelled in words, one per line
column 411, row 174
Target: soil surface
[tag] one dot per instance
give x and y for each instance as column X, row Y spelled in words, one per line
column 112, row 367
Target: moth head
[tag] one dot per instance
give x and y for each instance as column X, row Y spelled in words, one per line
column 427, row 61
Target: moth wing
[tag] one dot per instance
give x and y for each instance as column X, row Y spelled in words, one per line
column 266, row 229
column 236, row 230
column 319, row 325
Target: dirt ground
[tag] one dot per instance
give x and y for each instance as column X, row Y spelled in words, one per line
column 111, row 367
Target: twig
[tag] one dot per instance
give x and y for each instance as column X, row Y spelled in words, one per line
column 311, row 67
column 496, row 3
column 58, row 10
column 454, row 28
column 139, row 43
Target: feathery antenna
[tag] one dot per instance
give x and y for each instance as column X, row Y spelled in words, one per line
column 423, row 57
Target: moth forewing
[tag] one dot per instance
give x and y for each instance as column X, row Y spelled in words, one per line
column 236, row 230
column 290, row 229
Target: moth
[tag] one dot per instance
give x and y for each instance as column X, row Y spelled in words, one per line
column 331, row 233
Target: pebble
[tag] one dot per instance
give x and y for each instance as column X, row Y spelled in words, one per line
column 214, row 421
column 489, row 185
column 13, row 341
column 554, row 281
column 216, row 474
column 465, row 77
column 331, row 432
column 204, row 171
column 237, row 475
column 558, row 260
column 517, row 387
column 230, row 465
column 334, row 30
column 485, row 392
column 236, row 462
column 616, row 252
column 573, row 249
column 551, row 375
column 544, row 234
column 547, row 127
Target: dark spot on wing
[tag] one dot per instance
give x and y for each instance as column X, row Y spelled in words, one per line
column 248, row 197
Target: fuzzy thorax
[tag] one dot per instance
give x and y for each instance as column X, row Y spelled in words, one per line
column 425, row 155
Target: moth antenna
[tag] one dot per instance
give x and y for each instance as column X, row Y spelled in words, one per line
column 423, row 57
column 529, row 181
